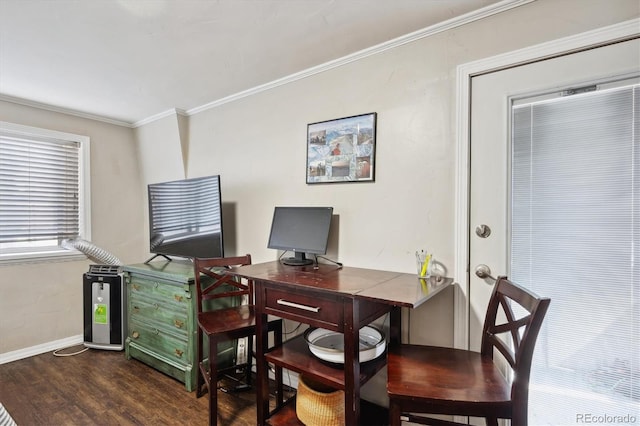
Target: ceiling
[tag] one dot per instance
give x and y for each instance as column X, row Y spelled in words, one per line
column 129, row 60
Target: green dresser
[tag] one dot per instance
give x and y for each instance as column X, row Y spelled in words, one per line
column 161, row 320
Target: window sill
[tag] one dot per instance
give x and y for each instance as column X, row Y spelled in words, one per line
column 8, row 259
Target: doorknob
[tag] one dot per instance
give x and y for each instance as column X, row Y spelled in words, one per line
column 483, row 231
column 484, row 272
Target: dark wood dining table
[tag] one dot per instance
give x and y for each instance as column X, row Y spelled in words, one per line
column 332, row 297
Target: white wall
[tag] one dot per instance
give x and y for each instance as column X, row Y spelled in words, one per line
column 160, row 151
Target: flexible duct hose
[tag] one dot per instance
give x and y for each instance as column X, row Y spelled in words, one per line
column 92, row 251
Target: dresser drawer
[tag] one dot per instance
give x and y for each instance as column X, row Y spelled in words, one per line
column 168, row 316
column 316, row 310
column 159, row 341
column 160, row 290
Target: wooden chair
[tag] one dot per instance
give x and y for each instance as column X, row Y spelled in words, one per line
column 226, row 323
column 436, row 380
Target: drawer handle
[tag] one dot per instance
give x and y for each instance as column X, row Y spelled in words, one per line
column 135, row 287
column 297, row 305
column 135, row 334
column 179, row 353
column 178, row 297
column 178, row 323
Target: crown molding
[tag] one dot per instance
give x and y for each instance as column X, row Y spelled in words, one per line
column 374, row 50
column 159, row 116
column 62, row 110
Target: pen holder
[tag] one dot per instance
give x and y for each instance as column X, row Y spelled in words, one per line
column 424, row 263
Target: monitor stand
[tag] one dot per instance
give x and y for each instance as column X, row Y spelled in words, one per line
column 299, row 260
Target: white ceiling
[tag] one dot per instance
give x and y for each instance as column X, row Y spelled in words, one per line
column 128, row 60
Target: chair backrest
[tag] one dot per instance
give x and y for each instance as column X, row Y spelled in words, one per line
column 212, row 283
column 522, row 332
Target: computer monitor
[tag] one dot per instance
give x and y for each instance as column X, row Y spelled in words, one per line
column 301, row 230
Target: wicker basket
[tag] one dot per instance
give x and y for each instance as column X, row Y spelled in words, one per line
column 319, row 405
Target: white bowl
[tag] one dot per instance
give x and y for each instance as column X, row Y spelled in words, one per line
column 329, row 345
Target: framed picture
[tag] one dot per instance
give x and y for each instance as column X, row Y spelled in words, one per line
column 342, row 150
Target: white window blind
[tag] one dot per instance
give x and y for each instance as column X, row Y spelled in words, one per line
column 41, row 190
column 576, row 238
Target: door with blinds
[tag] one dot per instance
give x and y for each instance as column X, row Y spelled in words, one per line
column 555, row 176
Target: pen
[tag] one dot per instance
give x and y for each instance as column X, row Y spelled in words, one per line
column 425, row 265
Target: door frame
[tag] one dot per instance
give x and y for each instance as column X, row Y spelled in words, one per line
column 465, row 72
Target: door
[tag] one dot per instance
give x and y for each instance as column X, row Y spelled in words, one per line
column 579, row 322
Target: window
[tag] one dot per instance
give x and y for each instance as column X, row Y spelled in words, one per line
column 44, row 192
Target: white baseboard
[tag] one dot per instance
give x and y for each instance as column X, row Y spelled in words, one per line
column 40, row 349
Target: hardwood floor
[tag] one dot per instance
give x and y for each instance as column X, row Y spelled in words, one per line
column 100, row 387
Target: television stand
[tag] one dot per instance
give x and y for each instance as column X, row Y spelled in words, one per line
column 157, row 255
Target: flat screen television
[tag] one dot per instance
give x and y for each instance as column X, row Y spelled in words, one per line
column 301, row 230
column 185, row 218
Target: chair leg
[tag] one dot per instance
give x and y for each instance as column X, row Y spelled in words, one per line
column 394, row 414
column 520, row 415
column 199, row 359
column 277, row 339
column 492, row 421
column 248, row 377
column 213, row 383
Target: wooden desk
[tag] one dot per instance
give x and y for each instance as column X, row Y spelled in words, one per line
column 340, row 299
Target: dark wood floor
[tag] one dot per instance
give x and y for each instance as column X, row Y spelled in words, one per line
column 100, row 387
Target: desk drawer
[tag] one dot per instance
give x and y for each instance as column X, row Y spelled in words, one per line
column 314, row 309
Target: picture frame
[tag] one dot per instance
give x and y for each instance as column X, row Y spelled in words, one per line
column 342, row 150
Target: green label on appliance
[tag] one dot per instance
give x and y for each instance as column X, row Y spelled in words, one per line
column 100, row 313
